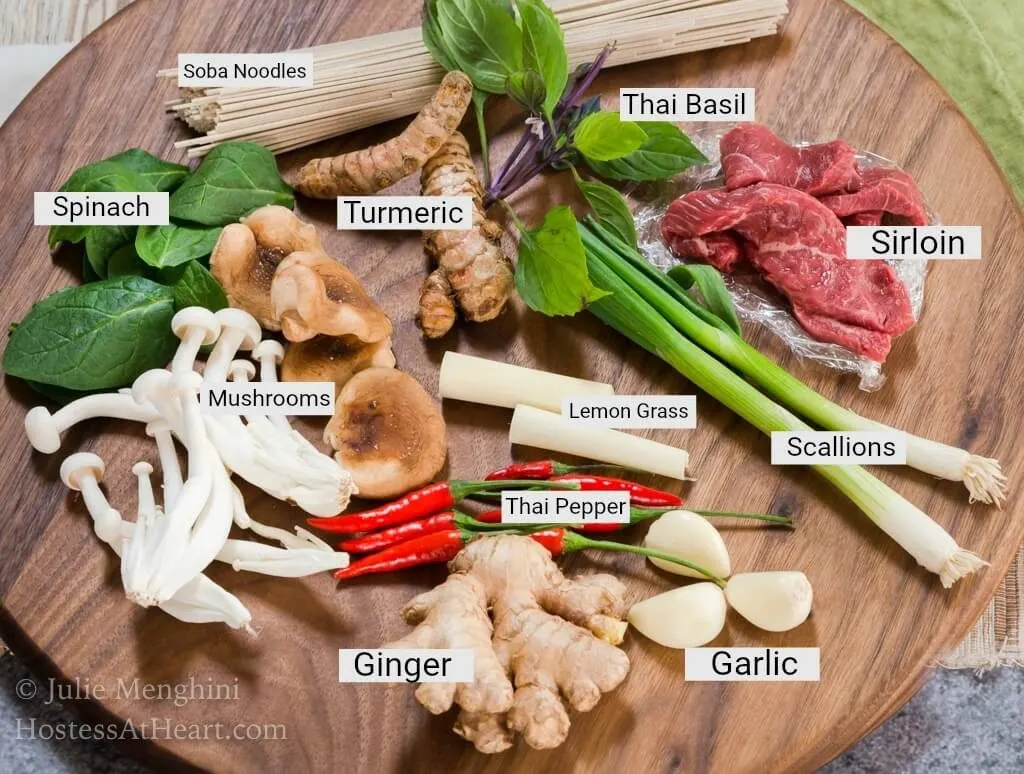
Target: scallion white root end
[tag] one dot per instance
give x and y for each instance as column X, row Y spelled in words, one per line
column 961, row 563
column 985, row 480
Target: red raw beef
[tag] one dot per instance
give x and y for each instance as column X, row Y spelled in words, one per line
column 801, row 250
column 720, row 250
column 866, row 218
column 882, row 189
column 752, row 154
column 869, row 343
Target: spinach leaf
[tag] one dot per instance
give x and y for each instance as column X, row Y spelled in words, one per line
column 102, row 241
column 96, row 336
column 527, row 88
column 103, row 176
column 233, row 180
column 195, row 286
column 551, row 274
column 125, row 262
column 544, row 49
column 603, row 136
column 59, row 395
column 665, row 152
column 173, row 245
column 484, row 40
column 712, row 288
column 610, row 208
column 161, row 175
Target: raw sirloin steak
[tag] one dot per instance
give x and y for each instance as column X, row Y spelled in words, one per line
column 882, row 190
column 799, row 246
column 751, row 153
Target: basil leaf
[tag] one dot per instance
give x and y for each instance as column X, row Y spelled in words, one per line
column 611, row 209
column 717, row 299
column 433, row 38
column 604, row 136
column 233, row 180
column 196, row 287
column 103, row 176
column 526, row 88
column 95, row 336
column 484, row 40
column 102, row 241
column 544, row 49
column 665, row 152
column 551, row 273
column 173, row 245
column 161, row 175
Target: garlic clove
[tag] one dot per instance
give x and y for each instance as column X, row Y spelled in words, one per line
column 687, row 617
column 773, row 601
column 691, row 537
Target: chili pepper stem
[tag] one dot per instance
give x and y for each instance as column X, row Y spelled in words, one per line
column 772, row 518
column 575, row 542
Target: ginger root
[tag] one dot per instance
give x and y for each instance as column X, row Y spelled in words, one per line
column 372, row 169
column 477, row 271
column 551, row 644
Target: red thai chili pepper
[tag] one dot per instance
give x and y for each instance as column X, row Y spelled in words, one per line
column 433, row 548
column 438, row 547
column 416, row 505
column 539, row 470
column 638, row 493
column 377, row 541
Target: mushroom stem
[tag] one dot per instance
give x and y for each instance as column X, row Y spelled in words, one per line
column 270, row 353
column 200, row 600
column 239, row 330
column 195, row 326
column 45, row 429
column 147, row 502
column 161, row 433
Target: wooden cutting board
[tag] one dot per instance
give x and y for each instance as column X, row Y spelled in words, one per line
column 879, row 620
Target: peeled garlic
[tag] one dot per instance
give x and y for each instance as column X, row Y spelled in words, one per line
column 690, row 537
column 687, row 617
column 773, row 601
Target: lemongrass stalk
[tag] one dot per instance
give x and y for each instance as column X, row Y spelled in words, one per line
column 626, row 311
column 982, row 476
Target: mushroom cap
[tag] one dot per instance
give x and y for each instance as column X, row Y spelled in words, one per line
column 312, row 293
column 242, row 371
column 142, row 468
column 196, row 317
column 75, row 465
column 150, row 384
column 334, row 359
column 247, row 255
column 245, row 270
column 243, row 321
column 269, row 349
column 278, row 228
column 387, row 432
column 41, row 430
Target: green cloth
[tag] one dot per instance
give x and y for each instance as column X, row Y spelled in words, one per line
column 975, row 49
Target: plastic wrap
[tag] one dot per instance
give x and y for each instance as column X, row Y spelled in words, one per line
column 754, row 300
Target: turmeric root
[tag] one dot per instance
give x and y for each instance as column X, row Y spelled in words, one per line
column 437, row 307
column 472, row 261
column 379, row 166
column 551, row 644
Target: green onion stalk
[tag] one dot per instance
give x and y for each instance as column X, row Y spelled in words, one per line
column 982, row 476
column 627, row 310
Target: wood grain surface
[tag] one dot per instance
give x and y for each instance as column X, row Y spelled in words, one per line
column 879, row 619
